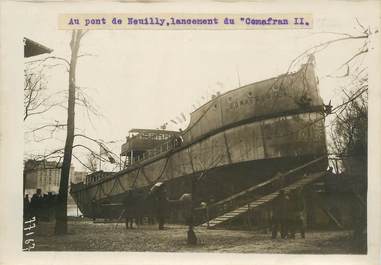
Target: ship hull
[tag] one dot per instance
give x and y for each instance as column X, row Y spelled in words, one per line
column 216, row 184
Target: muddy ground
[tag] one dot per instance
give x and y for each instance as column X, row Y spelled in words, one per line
column 84, row 235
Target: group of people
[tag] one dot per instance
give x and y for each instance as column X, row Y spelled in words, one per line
column 134, row 210
column 154, row 206
column 40, row 205
column 288, row 214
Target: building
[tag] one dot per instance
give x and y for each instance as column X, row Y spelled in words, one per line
column 46, row 175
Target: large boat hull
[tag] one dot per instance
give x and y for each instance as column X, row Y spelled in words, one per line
column 217, row 184
column 283, row 143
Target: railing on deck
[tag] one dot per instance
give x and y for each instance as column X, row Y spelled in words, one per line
column 171, row 144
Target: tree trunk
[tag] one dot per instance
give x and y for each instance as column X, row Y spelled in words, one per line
column 61, row 207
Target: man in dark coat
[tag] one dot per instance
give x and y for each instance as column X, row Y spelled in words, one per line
column 160, row 202
column 36, row 204
column 161, row 206
column 129, row 209
column 140, row 208
column 26, row 207
column 296, row 213
column 279, row 215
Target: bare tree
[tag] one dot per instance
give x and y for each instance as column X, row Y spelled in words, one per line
column 349, row 119
column 73, row 99
column 39, row 100
column 61, row 208
column 36, row 101
column 351, row 114
column 349, row 130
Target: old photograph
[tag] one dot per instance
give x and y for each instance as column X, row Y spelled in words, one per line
column 247, row 141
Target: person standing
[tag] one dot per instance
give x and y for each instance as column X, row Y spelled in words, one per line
column 292, row 215
column 279, row 215
column 296, row 214
column 128, row 210
column 139, row 208
column 36, row 204
column 301, row 212
column 26, row 207
column 158, row 193
column 161, row 206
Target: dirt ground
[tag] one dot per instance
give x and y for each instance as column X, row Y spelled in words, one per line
column 84, row 235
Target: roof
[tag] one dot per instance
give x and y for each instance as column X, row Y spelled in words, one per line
column 41, row 164
column 32, row 48
column 151, row 131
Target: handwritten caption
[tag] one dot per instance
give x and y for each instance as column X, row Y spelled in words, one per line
column 29, row 227
column 185, row 21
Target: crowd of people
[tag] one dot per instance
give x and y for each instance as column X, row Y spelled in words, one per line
column 40, row 206
column 154, row 206
column 134, row 210
column 139, row 205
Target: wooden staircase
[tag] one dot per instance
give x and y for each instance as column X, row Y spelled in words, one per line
column 251, row 206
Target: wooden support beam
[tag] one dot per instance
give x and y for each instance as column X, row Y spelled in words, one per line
column 328, row 212
column 359, row 198
column 332, row 217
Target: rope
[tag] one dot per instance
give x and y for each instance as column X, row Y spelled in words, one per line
column 145, row 176
column 120, row 184
column 136, row 178
column 112, row 188
column 162, row 171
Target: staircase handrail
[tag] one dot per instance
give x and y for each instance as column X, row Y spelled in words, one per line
column 260, row 185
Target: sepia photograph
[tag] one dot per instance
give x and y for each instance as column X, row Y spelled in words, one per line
column 196, row 140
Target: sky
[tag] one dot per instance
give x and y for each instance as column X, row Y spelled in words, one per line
column 142, row 79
